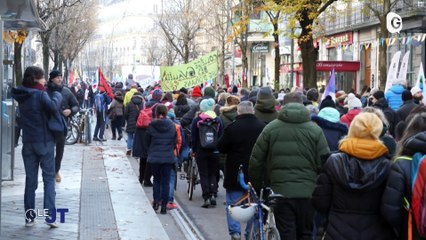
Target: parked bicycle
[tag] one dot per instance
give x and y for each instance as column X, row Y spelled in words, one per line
column 79, row 127
column 190, row 168
column 251, row 209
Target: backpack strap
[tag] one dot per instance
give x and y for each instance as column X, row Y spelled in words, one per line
column 402, row 158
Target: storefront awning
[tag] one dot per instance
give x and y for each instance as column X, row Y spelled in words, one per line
column 20, row 14
column 325, row 66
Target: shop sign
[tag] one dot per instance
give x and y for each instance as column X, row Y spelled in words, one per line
column 261, row 47
column 338, row 66
column 338, row 39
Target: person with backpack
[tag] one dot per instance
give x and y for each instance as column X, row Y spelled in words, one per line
column 349, row 188
column 101, row 105
column 397, row 201
column 116, row 112
column 144, row 118
column 161, row 139
column 131, row 113
column 206, row 129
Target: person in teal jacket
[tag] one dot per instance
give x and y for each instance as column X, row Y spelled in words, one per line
column 394, row 96
column 289, row 153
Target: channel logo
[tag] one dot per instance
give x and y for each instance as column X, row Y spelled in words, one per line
column 393, row 22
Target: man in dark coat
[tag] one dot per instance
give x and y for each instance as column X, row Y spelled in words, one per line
column 237, row 142
column 69, row 107
column 380, row 102
column 407, row 106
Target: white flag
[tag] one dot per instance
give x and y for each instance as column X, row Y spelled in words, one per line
column 393, row 68
column 402, row 76
column 420, row 76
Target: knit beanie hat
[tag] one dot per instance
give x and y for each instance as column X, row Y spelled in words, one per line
column 379, row 94
column 196, row 92
column 327, row 102
column 183, row 90
column 54, row 73
column 366, row 125
column 340, row 96
column 353, row 102
column 207, row 104
column 415, row 90
column 293, row 97
column 209, row 92
column 330, row 114
column 406, row 95
column 157, row 94
column 264, row 93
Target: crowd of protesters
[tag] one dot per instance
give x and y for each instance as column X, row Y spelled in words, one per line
column 339, row 160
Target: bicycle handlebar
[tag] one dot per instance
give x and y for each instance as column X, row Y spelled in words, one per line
column 241, row 179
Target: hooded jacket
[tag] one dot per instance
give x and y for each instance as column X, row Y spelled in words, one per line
column 161, row 140
column 289, row 151
column 128, row 96
column 131, row 112
column 228, row 115
column 265, row 109
column 405, row 109
column 35, row 107
column 117, row 106
column 394, row 96
column 333, row 132
column 348, row 117
column 349, row 191
column 398, row 187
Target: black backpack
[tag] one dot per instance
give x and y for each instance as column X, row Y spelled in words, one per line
column 208, row 131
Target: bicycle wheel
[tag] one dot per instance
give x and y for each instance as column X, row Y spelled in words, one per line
column 191, row 182
column 73, row 134
column 272, row 233
column 188, row 173
column 254, row 233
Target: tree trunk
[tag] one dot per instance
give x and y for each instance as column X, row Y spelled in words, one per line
column 45, row 49
column 309, row 53
column 56, row 60
column 383, row 65
column 17, row 63
column 277, row 60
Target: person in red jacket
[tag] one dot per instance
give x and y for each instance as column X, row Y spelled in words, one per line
column 354, row 106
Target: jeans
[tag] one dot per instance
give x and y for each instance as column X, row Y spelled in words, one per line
column 234, row 226
column 161, row 182
column 172, row 184
column 130, row 138
column 60, row 146
column 208, row 165
column 116, row 126
column 100, row 125
column 41, row 155
column 295, row 218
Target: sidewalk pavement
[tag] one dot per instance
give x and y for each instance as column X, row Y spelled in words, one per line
column 101, row 191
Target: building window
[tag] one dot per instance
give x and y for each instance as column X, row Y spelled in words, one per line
column 348, row 54
column 332, row 54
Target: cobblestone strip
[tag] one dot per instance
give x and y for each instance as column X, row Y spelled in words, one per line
column 97, row 219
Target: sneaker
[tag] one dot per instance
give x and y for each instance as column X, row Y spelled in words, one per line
column 113, row 138
column 30, row 223
column 147, row 184
column 120, row 137
column 58, row 177
column 102, row 139
column 129, row 152
column 206, row 203
column 213, row 201
column 95, row 139
column 163, row 210
column 171, row 205
column 155, row 206
column 236, row 236
column 53, row 225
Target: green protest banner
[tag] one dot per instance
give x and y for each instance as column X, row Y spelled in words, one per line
column 188, row 75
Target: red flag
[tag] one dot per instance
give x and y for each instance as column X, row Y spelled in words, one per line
column 103, row 85
column 71, row 80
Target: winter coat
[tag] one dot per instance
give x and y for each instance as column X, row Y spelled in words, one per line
column 265, row 109
column 180, row 110
column 190, row 115
column 117, row 108
column 161, row 139
column 128, row 96
column 288, row 152
column 139, row 144
column 390, row 114
column 349, row 192
column 348, row 117
column 35, row 107
column 195, row 138
column 131, row 112
column 333, row 132
column 405, row 109
column 394, row 96
column 237, row 142
column 397, row 188
column 69, row 101
column 228, row 115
